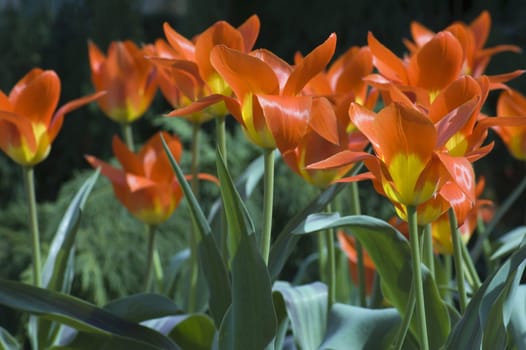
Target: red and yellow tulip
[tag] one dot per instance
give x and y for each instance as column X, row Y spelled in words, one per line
column 129, row 79
column 189, row 68
column 269, row 103
column 28, row 121
column 146, row 184
column 472, row 37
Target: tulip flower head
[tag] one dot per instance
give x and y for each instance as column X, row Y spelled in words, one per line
column 269, row 103
column 146, row 184
column 28, row 121
column 512, row 105
column 128, row 78
column 189, row 67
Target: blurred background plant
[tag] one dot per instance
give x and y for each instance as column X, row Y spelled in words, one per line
column 53, row 34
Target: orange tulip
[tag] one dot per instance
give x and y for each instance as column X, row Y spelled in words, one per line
column 189, row 67
column 146, row 185
column 268, row 104
column 511, row 106
column 28, row 121
column 127, row 76
column 472, row 38
column 347, row 244
column 410, row 165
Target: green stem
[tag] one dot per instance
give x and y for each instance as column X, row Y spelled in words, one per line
column 406, row 321
column 428, row 256
column 194, row 170
column 127, row 132
column 417, row 276
column 29, row 182
column 447, row 269
column 194, row 269
column 149, row 257
column 158, row 269
column 375, row 302
column 331, row 259
column 322, row 257
column 221, row 136
column 470, row 268
column 356, row 210
column 457, row 257
column 268, row 200
column 221, row 145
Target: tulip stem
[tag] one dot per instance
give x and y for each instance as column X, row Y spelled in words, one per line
column 406, row 321
column 417, row 276
column 127, row 133
column 357, row 210
column 221, row 136
column 428, row 255
column 149, row 257
column 29, row 182
column 268, row 201
column 457, row 257
column 331, row 266
column 470, row 268
column 196, row 127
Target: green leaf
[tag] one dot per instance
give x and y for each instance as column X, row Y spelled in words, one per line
column 307, row 310
column 7, row 341
column 175, row 265
column 213, row 266
column 355, row 328
column 141, row 307
column 390, row 252
column 509, row 242
column 286, row 242
column 56, row 266
column 517, row 324
column 76, row 313
column 99, row 341
column 194, row 332
column 58, row 270
column 487, row 315
column 238, row 218
column 250, row 322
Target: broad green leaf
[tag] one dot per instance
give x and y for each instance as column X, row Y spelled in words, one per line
column 56, row 264
column 250, row 322
column 175, row 265
column 307, row 310
column 99, row 341
column 213, row 266
column 517, row 325
column 194, row 332
column 238, row 219
column 390, row 252
column 7, row 341
column 282, row 321
column 58, row 270
column 356, row 328
column 509, row 242
column 76, row 313
column 487, row 309
column 141, row 307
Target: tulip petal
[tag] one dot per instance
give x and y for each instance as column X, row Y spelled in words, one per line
column 310, row 66
column 461, row 172
column 249, row 31
column 38, row 98
column 220, row 33
column 245, row 74
column 287, row 117
column 340, row 159
column 456, row 94
column 96, row 57
column 13, row 128
column 196, row 106
column 387, row 63
column 323, row 120
column 182, row 45
column 480, row 28
column 129, row 161
column 281, row 69
column 421, row 35
column 437, row 63
column 115, row 175
column 452, row 122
